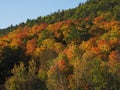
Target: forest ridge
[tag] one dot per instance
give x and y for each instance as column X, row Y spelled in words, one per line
column 75, row 49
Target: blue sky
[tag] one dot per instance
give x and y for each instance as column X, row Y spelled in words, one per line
column 17, row 11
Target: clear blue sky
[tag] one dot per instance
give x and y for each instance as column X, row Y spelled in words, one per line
column 17, row 11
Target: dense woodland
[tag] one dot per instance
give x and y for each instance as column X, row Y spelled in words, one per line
column 75, row 49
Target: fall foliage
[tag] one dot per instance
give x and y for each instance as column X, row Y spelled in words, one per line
column 79, row 51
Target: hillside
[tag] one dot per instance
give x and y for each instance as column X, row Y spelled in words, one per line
column 109, row 9
column 75, row 49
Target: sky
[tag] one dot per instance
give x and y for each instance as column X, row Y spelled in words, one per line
column 13, row 12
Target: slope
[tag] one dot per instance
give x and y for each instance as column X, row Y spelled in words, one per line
column 77, row 50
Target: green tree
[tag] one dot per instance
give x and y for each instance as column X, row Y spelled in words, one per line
column 8, row 58
column 24, row 80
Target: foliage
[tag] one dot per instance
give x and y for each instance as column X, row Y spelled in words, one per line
column 75, row 49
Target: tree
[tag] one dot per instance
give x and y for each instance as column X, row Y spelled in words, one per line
column 31, row 46
column 22, row 80
column 8, row 58
column 58, row 74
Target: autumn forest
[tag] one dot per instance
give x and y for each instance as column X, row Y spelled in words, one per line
column 75, row 49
